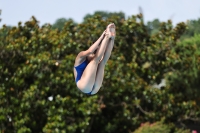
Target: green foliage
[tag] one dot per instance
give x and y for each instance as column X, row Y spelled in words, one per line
column 192, row 28
column 153, row 27
column 104, row 15
column 60, row 23
column 36, row 64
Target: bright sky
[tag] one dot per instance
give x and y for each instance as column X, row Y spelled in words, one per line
column 48, row 11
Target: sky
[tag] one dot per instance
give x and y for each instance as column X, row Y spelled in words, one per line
column 48, row 11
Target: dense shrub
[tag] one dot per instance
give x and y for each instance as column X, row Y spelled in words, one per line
column 38, row 92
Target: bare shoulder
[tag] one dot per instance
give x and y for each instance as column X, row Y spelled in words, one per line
column 79, row 60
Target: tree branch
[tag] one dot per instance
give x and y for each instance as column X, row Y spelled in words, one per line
column 142, row 110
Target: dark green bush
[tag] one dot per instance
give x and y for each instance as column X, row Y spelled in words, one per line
column 36, row 64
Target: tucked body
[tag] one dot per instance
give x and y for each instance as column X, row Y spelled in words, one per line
column 89, row 65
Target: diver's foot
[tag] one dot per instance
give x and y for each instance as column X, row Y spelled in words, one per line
column 111, row 30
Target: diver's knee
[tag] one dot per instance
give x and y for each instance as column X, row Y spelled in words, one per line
column 95, row 60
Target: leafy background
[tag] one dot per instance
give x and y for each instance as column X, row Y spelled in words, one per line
column 38, row 93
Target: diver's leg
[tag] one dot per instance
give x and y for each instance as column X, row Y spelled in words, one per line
column 101, row 67
column 87, row 80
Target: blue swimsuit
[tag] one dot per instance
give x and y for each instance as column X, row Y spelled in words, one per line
column 80, row 69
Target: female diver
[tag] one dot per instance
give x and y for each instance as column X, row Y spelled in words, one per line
column 89, row 67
